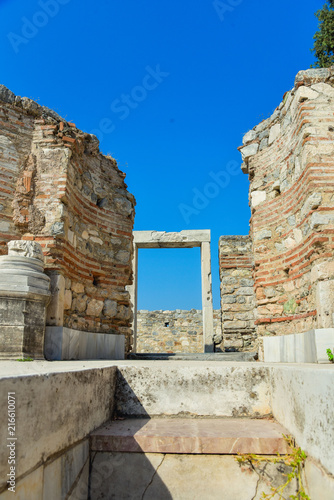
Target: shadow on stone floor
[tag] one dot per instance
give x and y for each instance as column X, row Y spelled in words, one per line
column 131, row 475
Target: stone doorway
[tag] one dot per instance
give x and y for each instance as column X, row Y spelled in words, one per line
column 183, row 239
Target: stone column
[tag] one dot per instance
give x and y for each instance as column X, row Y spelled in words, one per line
column 55, row 310
column 24, row 295
column 133, row 291
column 207, row 307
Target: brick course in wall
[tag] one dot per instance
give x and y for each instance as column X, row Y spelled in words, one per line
column 58, row 189
column 174, row 331
column 290, row 161
column 237, row 293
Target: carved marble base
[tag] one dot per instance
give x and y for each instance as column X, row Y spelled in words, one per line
column 24, row 295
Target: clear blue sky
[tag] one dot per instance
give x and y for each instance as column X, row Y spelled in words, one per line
column 170, row 87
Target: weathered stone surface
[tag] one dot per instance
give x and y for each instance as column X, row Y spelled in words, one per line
column 110, row 308
column 319, row 483
column 67, row 299
column 29, row 249
column 24, row 295
column 320, row 219
column 6, row 95
column 291, row 230
column 78, row 287
column 124, row 476
column 237, row 293
column 80, row 303
column 183, row 477
column 63, row 343
column 123, row 206
column 274, row 133
column 123, row 312
column 312, row 76
column 191, row 436
column 258, row 197
column 248, row 151
column 55, row 397
column 182, row 239
column 312, row 202
column 264, row 234
column 64, row 193
column 249, row 136
column 30, row 486
column 94, row 307
column 325, row 303
column 302, row 402
column 173, row 331
column 179, row 388
column 55, row 310
column 306, row 406
column 123, row 256
column 322, row 271
column 61, row 474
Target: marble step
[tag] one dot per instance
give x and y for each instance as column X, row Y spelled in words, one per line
column 220, row 436
column 216, row 356
column 192, row 389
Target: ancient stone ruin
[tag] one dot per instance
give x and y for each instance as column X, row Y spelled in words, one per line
column 184, row 239
column 174, row 331
column 58, row 190
column 95, row 425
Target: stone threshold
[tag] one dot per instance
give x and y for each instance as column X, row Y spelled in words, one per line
column 216, row 356
column 219, row 436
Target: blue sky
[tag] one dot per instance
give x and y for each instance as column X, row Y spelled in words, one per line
column 169, row 87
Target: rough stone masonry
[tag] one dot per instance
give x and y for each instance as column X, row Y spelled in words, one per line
column 237, row 293
column 290, row 162
column 59, row 190
column 174, row 331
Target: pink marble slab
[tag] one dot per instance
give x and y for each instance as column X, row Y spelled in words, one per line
column 228, row 436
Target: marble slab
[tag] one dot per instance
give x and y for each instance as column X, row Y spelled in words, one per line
column 65, row 344
column 183, row 435
column 307, row 347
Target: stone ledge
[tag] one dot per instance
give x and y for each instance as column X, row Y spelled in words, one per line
column 195, row 436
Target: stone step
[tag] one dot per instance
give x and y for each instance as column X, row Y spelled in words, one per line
column 192, row 388
column 186, row 459
column 219, row 436
column 216, row 356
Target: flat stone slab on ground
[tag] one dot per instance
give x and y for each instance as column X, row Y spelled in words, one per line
column 228, row 436
column 210, row 356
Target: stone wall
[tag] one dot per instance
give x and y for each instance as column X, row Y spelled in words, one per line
column 173, row 331
column 53, row 425
column 290, row 162
column 58, row 189
column 237, row 293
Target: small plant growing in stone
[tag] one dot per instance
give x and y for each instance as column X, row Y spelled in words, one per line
column 295, row 460
column 25, row 359
column 330, row 355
